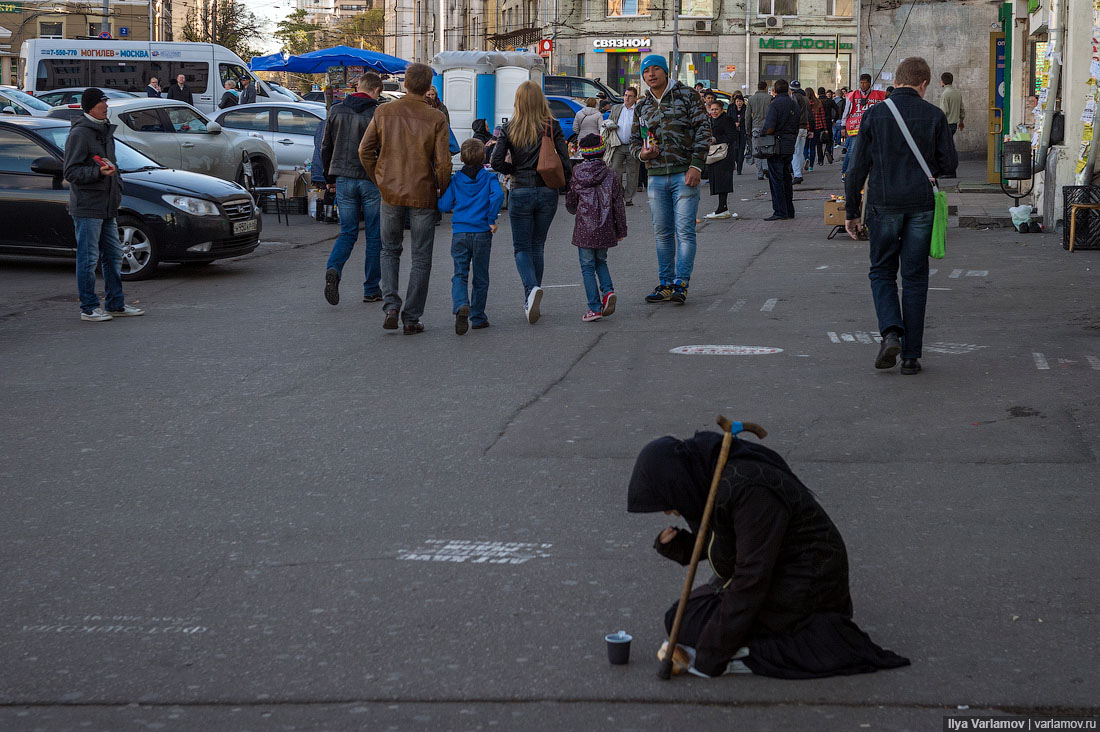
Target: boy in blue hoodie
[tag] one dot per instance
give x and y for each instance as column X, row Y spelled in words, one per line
column 475, row 197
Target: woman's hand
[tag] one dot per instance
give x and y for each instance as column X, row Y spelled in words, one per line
column 668, row 534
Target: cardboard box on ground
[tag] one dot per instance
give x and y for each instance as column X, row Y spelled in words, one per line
column 294, row 182
column 834, row 213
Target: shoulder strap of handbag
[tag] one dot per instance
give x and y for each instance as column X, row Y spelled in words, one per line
column 912, row 144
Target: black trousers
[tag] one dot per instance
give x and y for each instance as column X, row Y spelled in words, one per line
column 781, row 181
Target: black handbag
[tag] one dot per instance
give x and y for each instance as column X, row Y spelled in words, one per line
column 764, row 146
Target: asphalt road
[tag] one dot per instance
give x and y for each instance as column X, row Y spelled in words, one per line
column 250, row 510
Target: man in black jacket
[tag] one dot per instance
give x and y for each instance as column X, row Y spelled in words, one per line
column 799, row 96
column 248, row 92
column 179, row 90
column 357, row 197
column 900, row 207
column 782, row 120
column 95, row 192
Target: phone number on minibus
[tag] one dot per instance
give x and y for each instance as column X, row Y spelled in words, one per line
column 95, row 52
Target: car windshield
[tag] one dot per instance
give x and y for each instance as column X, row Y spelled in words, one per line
column 289, row 92
column 27, row 100
column 128, row 158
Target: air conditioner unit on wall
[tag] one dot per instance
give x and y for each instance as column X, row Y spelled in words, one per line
column 773, row 22
column 703, row 26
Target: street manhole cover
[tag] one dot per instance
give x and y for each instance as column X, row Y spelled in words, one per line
column 725, row 350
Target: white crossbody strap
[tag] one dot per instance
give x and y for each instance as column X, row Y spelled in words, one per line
column 912, row 144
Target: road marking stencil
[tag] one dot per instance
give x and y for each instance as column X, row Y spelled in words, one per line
column 769, row 305
column 458, row 551
column 712, row 350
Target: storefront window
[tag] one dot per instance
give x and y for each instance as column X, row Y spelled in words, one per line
column 696, row 66
column 779, row 7
column 697, row 8
column 775, row 66
column 625, row 70
column 619, row 8
column 820, row 70
column 50, row 30
column 842, row 8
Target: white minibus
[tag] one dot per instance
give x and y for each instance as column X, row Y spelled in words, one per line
column 46, row 64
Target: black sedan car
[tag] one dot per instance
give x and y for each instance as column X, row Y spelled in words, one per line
column 166, row 215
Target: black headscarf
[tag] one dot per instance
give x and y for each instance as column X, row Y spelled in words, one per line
column 672, row 474
column 481, row 130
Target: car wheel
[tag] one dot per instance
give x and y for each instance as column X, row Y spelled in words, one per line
column 262, row 173
column 139, row 251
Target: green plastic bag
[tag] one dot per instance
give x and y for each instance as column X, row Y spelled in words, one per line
column 939, row 227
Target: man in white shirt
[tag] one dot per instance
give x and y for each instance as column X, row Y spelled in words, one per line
column 622, row 162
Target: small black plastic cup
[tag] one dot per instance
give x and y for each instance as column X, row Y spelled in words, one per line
column 618, row 648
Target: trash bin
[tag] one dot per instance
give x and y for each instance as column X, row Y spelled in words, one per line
column 1085, row 222
column 1017, row 160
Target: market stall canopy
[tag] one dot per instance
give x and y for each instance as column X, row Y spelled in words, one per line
column 273, row 62
column 486, row 62
column 318, row 62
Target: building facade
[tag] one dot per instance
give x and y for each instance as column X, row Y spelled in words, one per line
column 727, row 46
column 22, row 20
column 416, row 30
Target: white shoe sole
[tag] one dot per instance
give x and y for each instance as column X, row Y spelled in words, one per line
column 534, row 300
column 95, row 318
column 126, row 315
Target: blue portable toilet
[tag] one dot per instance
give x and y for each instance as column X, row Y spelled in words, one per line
column 466, row 85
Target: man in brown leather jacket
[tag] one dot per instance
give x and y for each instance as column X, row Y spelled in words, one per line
column 405, row 152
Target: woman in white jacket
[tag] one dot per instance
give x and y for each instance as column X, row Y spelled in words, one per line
column 587, row 121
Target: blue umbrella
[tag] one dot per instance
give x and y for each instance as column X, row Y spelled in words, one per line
column 317, row 62
column 273, row 62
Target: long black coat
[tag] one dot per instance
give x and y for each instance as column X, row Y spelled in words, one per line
column 724, row 129
column 782, row 569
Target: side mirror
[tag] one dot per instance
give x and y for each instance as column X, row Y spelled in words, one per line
column 213, row 128
column 7, row 110
column 47, row 165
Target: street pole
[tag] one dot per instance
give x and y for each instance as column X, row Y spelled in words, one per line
column 106, row 24
column 676, row 39
column 150, row 20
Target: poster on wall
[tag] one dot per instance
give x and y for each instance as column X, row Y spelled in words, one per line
column 621, row 8
column 697, row 8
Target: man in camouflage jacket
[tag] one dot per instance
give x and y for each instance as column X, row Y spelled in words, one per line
column 671, row 135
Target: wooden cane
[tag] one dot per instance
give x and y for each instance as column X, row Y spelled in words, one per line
column 664, row 671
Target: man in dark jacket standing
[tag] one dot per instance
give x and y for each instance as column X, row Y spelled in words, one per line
column 357, row 197
column 782, row 120
column 179, row 91
column 900, row 207
column 95, row 192
column 248, row 92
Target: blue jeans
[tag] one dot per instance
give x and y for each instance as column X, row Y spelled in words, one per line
column 848, row 154
column 471, row 248
column 837, row 139
column 96, row 240
column 811, row 143
column 358, row 199
column 530, row 211
column 593, row 266
column 421, row 241
column 900, row 241
column 674, row 205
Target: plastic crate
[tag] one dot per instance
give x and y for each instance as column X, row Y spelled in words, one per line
column 290, row 206
column 1088, row 221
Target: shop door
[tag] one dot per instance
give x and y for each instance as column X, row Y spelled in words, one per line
column 625, row 71
column 775, row 66
column 696, row 66
column 995, row 129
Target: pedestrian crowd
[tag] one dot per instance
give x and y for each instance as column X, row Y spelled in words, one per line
column 388, row 167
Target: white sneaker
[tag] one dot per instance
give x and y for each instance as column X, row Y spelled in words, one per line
column 722, row 215
column 531, row 307
column 128, row 311
column 96, row 316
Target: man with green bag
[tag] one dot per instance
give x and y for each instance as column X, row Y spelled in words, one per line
column 903, row 147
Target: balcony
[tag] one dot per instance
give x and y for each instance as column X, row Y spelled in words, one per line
column 522, row 38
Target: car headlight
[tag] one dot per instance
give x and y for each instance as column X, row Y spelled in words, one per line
column 193, row 206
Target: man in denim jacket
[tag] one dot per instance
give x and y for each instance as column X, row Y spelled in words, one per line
column 900, row 207
column 674, row 150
